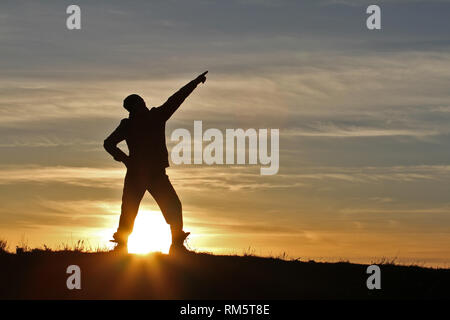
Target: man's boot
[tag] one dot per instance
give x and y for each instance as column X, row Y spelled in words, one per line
column 177, row 246
column 121, row 243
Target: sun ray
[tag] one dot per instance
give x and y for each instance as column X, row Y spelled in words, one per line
column 151, row 233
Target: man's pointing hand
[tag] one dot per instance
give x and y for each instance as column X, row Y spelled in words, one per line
column 201, row 78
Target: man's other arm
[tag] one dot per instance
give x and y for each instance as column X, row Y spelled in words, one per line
column 110, row 143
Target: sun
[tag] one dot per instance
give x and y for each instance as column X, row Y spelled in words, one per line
column 151, row 233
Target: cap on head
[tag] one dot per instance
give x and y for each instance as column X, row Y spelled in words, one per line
column 133, row 102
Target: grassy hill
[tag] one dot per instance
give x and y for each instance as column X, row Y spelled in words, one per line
column 106, row 275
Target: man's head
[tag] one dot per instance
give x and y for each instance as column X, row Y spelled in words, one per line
column 134, row 103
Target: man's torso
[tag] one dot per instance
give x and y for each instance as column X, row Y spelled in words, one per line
column 146, row 141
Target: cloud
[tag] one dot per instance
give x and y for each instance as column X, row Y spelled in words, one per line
column 332, row 131
column 233, row 179
column 69, row 175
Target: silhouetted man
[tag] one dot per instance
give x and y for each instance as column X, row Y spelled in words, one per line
column 144, row 133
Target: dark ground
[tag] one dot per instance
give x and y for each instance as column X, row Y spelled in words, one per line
column 42, row 275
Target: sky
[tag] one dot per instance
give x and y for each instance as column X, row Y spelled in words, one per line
column 363, row 118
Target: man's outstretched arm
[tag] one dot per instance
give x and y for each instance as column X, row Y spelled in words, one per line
column 174, row 102
column 110, row 143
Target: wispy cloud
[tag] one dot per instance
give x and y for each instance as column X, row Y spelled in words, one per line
column 236, row 179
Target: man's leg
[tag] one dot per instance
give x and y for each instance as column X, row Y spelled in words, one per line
column 133, row 191
column 162, row 190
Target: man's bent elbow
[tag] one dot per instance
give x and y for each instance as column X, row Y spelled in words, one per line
column 107, row 145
